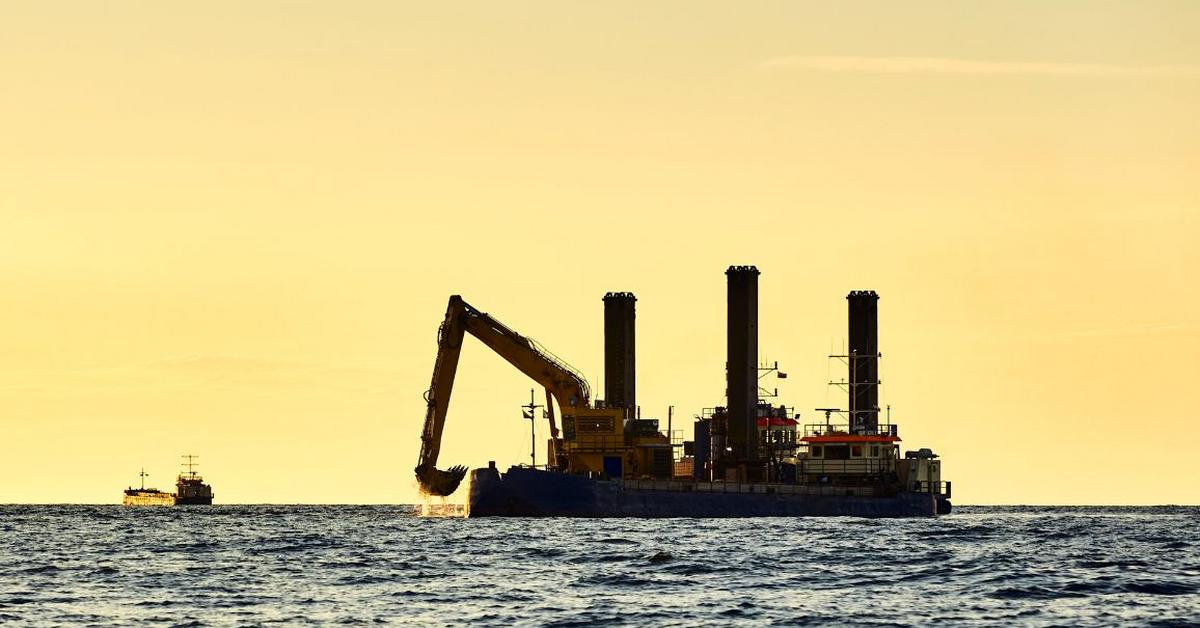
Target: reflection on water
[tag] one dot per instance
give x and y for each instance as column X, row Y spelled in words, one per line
column 431, row 507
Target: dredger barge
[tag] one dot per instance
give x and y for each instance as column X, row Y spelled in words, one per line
column 747, row 458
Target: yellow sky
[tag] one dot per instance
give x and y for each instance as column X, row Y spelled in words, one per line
column 230, row 229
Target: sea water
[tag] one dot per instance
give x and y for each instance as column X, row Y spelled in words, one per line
column 326, row 565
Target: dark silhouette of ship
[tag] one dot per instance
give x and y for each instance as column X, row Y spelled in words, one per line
column 747, row 458
column 190, row 490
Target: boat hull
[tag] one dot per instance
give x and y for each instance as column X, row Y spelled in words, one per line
column 148, row 498
column 526, row 492
column 194, row 501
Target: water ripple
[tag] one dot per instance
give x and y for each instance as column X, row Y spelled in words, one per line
column 326, row 565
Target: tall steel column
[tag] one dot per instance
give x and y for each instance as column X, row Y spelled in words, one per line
column 864, row 360
column 741, row 366
column 620, row 357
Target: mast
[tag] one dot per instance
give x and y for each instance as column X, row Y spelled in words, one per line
column 528, row 411
column 190, row 463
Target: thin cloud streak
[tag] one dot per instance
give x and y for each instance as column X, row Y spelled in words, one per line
column 207, row 372
column 967, row 67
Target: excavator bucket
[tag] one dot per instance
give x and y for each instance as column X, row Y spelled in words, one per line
column 440, row 483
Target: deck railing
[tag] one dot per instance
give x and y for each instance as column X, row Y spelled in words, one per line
column 845, row 466
column 593, row 444
column 940, row 488
column 829, row 429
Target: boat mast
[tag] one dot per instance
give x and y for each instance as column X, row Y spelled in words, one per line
column 528, row 411
column 190, row 463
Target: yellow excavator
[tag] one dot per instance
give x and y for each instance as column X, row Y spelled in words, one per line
column 562, row 384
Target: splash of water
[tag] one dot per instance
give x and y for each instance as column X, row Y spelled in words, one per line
column 441, row 506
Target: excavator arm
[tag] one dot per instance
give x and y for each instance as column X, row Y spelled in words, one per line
column 562, row 383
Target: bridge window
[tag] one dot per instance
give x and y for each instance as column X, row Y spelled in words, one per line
column 815, row 452
column 837, row 452
column 594, row 424
column 856, row 451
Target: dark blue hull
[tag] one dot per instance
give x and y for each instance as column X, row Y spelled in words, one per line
column 526, row 492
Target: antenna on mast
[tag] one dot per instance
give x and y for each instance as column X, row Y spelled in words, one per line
column 528, row 412
column 190, row 463
column 144, row 475
column 828, row 411
column 765, row 370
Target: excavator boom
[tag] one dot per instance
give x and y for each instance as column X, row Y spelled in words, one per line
column 560, row 381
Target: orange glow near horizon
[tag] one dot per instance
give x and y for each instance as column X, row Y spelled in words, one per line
column 231, row 230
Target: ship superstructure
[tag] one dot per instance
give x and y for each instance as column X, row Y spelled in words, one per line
column 190, row 489
column 746, row 458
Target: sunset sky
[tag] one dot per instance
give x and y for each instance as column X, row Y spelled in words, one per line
column 230, row 229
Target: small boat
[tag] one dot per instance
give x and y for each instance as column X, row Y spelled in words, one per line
column 190, row 490
column 190, row 487
column 146, row 496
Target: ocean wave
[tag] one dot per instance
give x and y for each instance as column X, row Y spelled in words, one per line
column 360, row 564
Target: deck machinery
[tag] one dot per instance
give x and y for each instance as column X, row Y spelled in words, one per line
column 747, row 458
column 597, row 439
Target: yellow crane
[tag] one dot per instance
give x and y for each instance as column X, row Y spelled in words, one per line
column 561, row 383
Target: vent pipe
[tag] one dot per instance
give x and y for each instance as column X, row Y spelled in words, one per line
column 620, row 372
column 741, row 366
column 863, row 361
